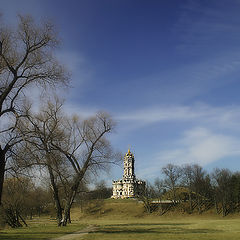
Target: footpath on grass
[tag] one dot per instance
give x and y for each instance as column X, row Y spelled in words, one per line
column 78, row 234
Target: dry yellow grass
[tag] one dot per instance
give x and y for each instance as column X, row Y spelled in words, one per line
column 126, row 219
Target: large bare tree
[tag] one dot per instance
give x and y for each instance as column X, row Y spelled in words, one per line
column 26, row 59
column 69, row 148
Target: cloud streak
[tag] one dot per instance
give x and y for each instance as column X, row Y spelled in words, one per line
column 196, row 146
column 204, row 134
column 202, row 146
column 227, row 116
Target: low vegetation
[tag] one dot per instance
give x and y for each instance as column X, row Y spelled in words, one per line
column 192, row 189
column 118, row 219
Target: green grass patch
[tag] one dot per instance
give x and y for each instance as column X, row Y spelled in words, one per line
column 167, row 229
column 40, row 229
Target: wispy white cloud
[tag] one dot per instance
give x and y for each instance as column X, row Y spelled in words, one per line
column 71, row 60
column 204, row 134
column 82, row 111
column 197, row 145
column 202, row 146
column 227, row 116
column 77, row 65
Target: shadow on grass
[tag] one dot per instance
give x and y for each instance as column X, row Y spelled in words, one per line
column 156, row 231
column 175, row 229
column 31, row 235
column 147, row 224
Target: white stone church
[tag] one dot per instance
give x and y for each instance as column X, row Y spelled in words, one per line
column 128, row 186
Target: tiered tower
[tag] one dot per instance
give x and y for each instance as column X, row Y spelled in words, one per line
column 128, row 186
column 128, row 168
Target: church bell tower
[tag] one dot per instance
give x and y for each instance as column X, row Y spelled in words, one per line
column 128, row 186
column 128, row 173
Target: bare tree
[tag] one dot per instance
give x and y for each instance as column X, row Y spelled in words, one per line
column 201, row 186
column 86, row 149
column 172, row 177
column 101, row 191
column 223, row 189
column 146, row 196
column 39, row 130
column 15, row 201
column 160, row 190
column 26, row 58
column 188, row 182
column 235, row 182
column 69, row 148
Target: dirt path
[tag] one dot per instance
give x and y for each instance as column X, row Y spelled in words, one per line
column 77, row 235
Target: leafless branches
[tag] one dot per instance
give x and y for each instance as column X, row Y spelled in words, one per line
column 70, row 148
column 26, row 58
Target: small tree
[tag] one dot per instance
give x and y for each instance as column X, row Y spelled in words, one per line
column 146, row 196
column 188, row 182
column 235, row 183
column 160, row 190
column 223, row 189
column 172, row 177
column 15, row 201
column 201, row 186
column 101, row 191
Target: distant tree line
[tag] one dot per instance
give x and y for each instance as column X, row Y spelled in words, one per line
column 189, row 188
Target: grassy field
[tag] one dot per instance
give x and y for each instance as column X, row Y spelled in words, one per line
column 166, row 229
column 122, row 219
column 40, row 229
column 127, row 220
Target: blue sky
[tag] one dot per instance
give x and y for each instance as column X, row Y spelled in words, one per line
column 167, row 70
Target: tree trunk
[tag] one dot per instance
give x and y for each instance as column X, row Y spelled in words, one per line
column 160, row 206
column 66, row 213
column 2, row 170
column 199, row 205
column 12, row 217
column 55, row 196
column 216, row 205
column 24, row 222
column 70, row 199
column 190, row 201
column 69, row 217
column 174, row 195
column 224, row 208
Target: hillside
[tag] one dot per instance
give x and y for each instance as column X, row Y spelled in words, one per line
column 109, row 208
column 130, row 209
